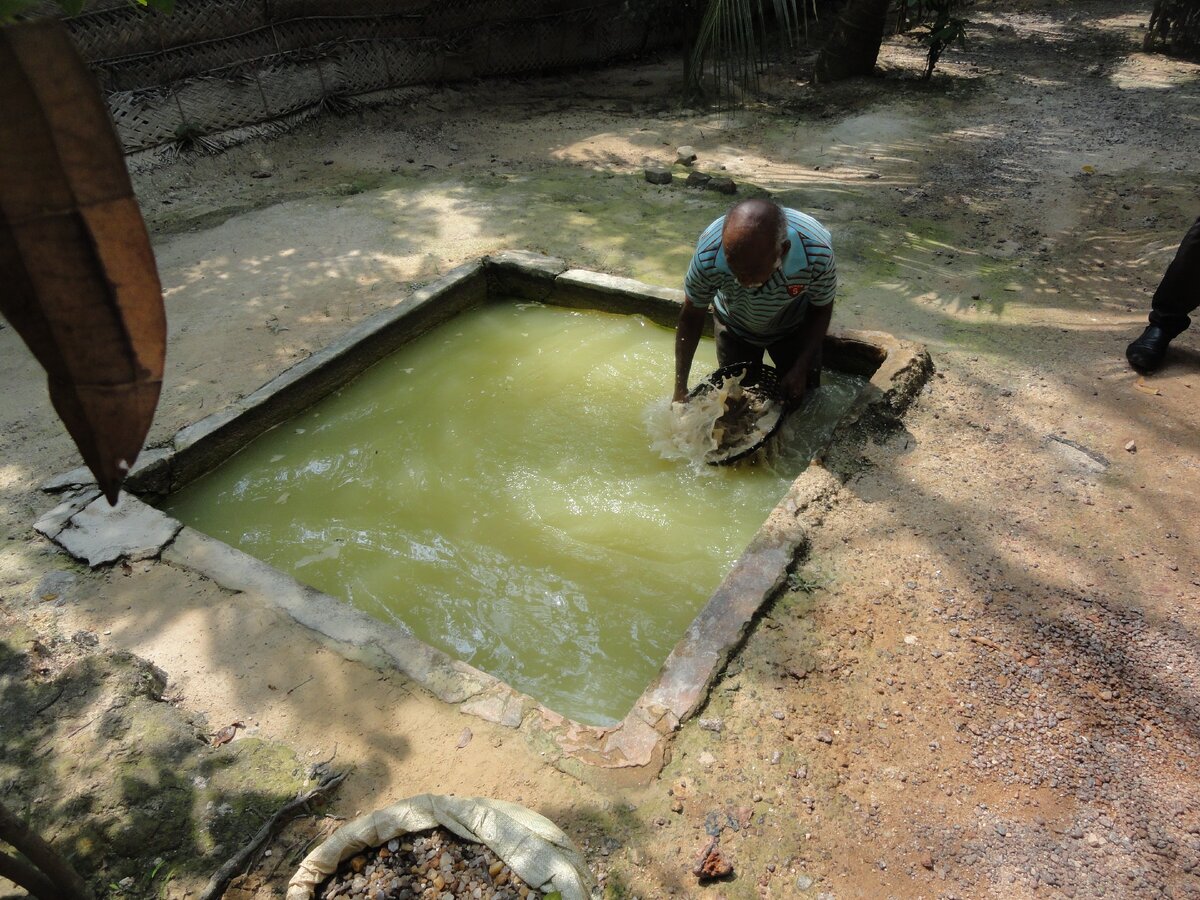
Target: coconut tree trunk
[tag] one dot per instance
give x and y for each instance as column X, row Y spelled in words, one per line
column 854, row 42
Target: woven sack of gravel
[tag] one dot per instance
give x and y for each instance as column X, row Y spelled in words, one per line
column 531, row 845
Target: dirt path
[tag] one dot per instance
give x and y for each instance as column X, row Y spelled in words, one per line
column 985, row 682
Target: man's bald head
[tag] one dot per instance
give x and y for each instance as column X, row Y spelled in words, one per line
column 755, row 240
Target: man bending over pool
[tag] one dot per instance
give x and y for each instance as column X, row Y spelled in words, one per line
column 769, row 276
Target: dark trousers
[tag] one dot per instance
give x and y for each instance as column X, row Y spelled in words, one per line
column 732, row 349
column 1178, row 293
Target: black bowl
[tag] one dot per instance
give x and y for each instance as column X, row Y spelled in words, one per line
column 761, row 380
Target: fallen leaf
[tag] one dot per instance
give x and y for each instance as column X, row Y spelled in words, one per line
column 225, row 735
column 465, row 738
column 80, row 283
column 1088, row 170
column 1141, row 385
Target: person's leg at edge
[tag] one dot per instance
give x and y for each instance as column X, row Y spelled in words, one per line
column 731, row 348
column 1177, row 296
column 783, row 353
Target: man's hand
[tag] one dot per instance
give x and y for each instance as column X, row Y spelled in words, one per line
column 687, row 336
column 794, row 384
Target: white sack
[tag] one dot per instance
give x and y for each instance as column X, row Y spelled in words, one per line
column 529, row 844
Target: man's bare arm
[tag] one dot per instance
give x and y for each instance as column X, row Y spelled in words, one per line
column 687, row 337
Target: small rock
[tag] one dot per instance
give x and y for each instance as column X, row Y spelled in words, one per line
column 722, row 185
column 711, row 864
column 714, row 725
column 677, row 806
column 1131, row 447
column 776, row 757
column 1093, row 839
column 804, row 882
column 706, row 760
column 927, row 862
column 454, row 148
column 778, row 714
column 685, row 155
column 260, row 174
column 658, row 174
column 697, row 179
column 825, row 736
column 464, row 738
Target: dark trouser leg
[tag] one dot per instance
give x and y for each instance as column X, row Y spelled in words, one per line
column 731, row 348
column 783, row 354
column 1178, row 293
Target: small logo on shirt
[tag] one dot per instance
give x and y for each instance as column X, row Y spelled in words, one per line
column 795, row 290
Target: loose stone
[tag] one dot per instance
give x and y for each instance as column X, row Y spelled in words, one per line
column 658, row 175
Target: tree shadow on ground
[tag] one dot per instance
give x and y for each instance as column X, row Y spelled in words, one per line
column 121, row 782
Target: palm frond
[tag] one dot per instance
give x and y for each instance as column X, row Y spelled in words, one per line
column 728, row 51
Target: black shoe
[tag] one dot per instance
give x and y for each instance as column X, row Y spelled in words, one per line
column 1147, row 353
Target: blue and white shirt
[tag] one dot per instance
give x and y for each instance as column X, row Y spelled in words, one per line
column 808, row 277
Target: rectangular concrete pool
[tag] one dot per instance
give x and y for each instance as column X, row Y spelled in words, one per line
column 487, row 502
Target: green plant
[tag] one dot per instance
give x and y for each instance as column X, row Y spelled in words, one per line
column 938, row 25
column 807, row 581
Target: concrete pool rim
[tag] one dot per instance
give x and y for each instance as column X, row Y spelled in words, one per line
column 86, row 528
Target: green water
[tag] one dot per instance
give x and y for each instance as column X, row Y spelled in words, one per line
column 490, row 488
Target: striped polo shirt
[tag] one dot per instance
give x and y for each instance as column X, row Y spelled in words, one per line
column 808, row 277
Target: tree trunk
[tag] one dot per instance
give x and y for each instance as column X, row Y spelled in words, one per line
column 853, row 45
column 50, row 877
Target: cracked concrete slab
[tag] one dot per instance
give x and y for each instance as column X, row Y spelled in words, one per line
column 100, row 533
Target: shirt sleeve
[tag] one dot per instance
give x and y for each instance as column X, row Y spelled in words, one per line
column 701, row 283
column 824, row 285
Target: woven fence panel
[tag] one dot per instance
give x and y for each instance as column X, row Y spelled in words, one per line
column 143, row 118
column 219, row 66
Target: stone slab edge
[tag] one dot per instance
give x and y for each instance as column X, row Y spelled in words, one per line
column 88, row 529
column 355, row 633
column 519, row 273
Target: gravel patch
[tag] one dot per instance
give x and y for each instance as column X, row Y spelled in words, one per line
column 433, row 865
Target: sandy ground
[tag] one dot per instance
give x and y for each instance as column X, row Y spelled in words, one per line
column 984, row 682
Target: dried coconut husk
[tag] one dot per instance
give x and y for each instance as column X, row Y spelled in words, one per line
column 80, row 283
